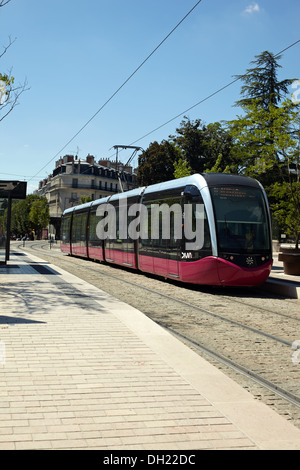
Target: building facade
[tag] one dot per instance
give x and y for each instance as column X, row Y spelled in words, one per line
column 74, row 180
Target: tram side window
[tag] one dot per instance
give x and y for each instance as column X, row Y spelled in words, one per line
column 164, row 222
column 92, row 227
column 65, row 228
column 199, row 219
column 94, row 220
column 79, row 228
column 169, row 219
column 112, row 240
column 133, row 223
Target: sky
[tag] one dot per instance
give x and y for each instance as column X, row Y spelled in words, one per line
column 75, row 55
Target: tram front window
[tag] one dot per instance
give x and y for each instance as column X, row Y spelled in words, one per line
column 241, row 219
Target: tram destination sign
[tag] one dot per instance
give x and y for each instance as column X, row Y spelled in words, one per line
column 13, row 189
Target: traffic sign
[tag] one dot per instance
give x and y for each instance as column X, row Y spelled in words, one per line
column 13, row 189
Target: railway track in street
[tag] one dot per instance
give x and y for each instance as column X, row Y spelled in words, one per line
column 249, row 334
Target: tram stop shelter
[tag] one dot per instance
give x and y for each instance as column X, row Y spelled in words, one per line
column 9, row 190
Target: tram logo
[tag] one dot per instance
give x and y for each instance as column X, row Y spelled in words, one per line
column 157, row 221
column 250, row 261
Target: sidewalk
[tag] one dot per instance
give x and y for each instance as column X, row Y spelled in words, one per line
column 280, row 283
column 82, row 370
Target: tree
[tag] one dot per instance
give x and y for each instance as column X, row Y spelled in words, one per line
column 286, row 207
column 217, row 168
column 267, row 139
column 190, row 142
column 181, row 168
column 201, row 145
column 9, row 91
column 39, row 214
column 261, row 83
column 29, row 214
column 84, row 199
column 20, row 223
column 156, row 164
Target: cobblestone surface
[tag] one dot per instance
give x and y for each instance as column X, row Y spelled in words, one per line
column 265, row 356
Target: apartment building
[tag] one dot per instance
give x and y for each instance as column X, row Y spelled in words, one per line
column 75, row 179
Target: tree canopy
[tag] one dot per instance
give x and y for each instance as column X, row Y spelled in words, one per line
column 29, row 215
column 261, row 83
column 156, row 164
column 262, row 142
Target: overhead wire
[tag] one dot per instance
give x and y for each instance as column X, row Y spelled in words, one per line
column 173, row 118
column 120, row 88
column 191, row 107
column 207, row 98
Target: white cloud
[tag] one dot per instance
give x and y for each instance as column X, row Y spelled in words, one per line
column 253, row 8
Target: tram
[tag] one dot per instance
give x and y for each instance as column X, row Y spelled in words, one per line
column 209, row 229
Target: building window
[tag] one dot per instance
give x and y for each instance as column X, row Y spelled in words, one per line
column 75, row 183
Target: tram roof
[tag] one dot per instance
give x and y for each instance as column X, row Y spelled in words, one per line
column 199, row 180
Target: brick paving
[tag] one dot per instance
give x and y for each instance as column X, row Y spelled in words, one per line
column 82, row 370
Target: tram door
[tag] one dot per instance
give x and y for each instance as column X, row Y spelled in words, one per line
column 175, row 239
column 164, row 218
column 119, row 247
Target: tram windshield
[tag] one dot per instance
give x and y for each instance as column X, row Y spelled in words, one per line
column 241, row 219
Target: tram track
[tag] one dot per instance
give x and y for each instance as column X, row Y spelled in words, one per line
column 258, row 379
column 45, row 250
column 258, row 358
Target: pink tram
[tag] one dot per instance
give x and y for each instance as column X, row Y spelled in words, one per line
column 235, row 248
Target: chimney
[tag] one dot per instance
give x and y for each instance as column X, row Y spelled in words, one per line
column 90, row 159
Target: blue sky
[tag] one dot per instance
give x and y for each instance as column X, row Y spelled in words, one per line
column 75, row 54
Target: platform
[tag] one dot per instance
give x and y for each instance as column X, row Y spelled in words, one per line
column 280, row 283
column 82, row 370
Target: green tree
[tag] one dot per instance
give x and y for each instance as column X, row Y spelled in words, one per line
column 189, row 140
column 39, row 214
column 156, row 164
column 217, row 168
column 181, row 168
column 20, row 223
column 286, row 207
column 261, row 84
column 201, row 145
column 267, row 139
column 29, row 214
column 256, row 133
column 84, row 199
